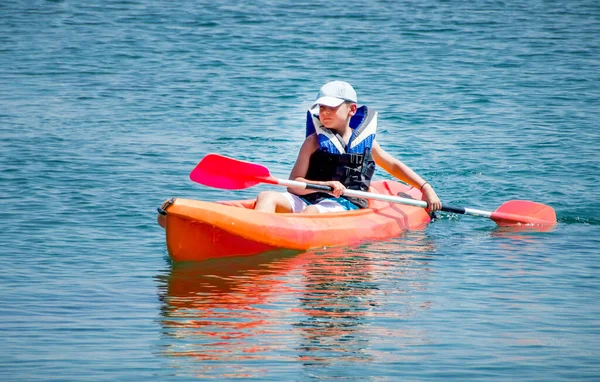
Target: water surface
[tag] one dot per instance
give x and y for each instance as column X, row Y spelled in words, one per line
column 106, row 106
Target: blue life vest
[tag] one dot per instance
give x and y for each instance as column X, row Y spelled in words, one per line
column 351, row 164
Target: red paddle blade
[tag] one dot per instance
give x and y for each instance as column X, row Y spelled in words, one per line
column 230, row 174
column 524, row 212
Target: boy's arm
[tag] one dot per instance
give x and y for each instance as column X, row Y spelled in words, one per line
column 405, row 174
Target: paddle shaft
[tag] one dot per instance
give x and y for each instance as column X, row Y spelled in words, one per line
column 385, row 198
column 227, row 173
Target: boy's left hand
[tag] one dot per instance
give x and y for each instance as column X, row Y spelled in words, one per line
column 433, row 202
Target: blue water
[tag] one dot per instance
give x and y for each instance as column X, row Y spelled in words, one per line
column 106, row 106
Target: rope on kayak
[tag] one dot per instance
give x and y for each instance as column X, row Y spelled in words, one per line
column 163, row 208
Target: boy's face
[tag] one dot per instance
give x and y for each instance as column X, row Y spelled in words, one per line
column 337, row 118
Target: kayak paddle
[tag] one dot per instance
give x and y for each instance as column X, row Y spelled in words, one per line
column 231, row 174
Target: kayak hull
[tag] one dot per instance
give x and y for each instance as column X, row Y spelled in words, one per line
column 198, row 230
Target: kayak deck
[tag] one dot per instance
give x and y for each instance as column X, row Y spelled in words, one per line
column 198, row 230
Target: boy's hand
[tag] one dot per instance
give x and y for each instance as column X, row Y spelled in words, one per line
column 429, row 195
column 337, row 188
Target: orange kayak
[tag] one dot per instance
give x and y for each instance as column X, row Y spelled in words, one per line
column 198, row 230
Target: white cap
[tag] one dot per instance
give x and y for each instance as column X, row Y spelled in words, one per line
column 333, row 93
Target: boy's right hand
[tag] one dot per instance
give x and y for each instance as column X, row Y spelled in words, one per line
column 337, row 188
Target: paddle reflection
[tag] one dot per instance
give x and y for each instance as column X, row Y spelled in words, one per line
column 522, row 228
column 308, row 307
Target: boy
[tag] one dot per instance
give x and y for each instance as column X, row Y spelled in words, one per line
column 339, row 156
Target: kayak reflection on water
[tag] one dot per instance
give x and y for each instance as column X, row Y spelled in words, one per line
column 316, row 304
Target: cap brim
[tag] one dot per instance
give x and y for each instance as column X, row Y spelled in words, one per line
column 328, row 101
